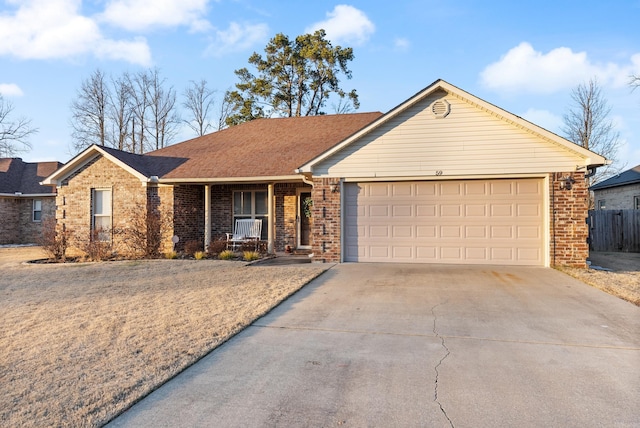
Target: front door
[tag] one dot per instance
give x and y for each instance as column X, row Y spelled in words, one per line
column 304, row 220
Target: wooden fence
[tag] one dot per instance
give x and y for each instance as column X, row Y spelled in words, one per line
column 614, row 230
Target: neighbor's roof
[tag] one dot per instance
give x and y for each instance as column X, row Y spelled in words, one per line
column 24, row 178
column 261, row 147
column 630, row 176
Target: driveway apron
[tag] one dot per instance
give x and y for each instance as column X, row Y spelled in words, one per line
column 386, row 345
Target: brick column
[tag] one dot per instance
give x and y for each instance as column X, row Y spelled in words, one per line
column 326, row 221
column 569, row 230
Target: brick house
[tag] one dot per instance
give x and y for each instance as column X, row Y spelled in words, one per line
column 444, row 177
column 620, row 192
column 24, row 203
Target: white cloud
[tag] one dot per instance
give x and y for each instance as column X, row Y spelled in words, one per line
column 10, row 90
column 345, row 24
column 139, row 15
column 524, row 69
column 401, row 44
column 43, row 29
column 237, row 37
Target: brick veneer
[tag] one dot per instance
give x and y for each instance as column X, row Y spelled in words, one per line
column 9, row 213
column 325, row 230
column 568, row 230
column 17, row 225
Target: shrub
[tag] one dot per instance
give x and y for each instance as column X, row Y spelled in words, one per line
column 97, row 249
column 227, row 255
column 54, row 242
column 199, row 255
column 216, row 247
column 250, row 255
column 191, row 247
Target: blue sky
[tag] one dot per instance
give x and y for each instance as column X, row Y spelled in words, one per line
column 522, row 56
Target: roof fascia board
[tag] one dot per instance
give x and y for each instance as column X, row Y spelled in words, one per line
column 232, row 180
column 27, row 195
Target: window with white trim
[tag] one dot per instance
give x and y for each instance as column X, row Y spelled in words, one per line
column 602, row 204
column 37, row 210
column 251, row 204
column 101, row 214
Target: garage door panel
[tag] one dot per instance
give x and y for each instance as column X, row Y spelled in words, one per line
column 474, row 221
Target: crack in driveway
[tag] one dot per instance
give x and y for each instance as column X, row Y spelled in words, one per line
column 444, row 345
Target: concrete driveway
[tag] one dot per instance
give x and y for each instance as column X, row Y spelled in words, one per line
column 419, row 345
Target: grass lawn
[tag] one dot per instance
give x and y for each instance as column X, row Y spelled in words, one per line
column 81, row 343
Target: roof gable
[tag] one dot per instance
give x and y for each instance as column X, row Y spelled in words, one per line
column 443, row 124
column 142, row 167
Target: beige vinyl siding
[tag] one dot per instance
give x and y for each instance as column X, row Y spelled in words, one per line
column 469, row 141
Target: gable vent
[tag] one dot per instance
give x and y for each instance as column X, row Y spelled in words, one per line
column 440, row 108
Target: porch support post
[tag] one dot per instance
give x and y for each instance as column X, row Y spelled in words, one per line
column 271, row 220
column 207, row 216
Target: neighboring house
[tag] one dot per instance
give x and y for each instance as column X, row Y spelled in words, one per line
column 24, row 203
column 620, row 192
column 444, row 177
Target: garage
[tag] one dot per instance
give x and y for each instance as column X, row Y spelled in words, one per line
column 498, row 221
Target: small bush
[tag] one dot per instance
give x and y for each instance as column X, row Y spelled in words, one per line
column 199, row 255
column 54, row 242
column 97, row 249
column 216, row 247
column 227, row 255
column 171, row 255
column 191, row 247
column 250, row 255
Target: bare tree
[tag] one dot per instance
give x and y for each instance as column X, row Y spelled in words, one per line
column 587, row 124
column 634, row 81
column 198, row 100
column 138, row 93
column 14, row 133
column 163, row 118
column 120, row 114
column 89, row 112
column 225, row 111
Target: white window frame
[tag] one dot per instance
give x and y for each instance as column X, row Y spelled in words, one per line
column 253, row 214
column 602, row 204
column 105, row 213
column 36, row 211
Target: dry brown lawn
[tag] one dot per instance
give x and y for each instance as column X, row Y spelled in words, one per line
column 81, row 343
column 623, row 280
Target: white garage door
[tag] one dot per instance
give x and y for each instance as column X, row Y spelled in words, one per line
column 472, row 221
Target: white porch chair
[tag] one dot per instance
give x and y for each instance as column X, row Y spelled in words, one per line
column 246, row 230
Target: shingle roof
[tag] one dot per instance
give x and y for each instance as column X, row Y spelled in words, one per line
column 259, row 148
column 629, row 176
column 17, row 176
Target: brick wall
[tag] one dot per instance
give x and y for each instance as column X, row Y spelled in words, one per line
column 618, row 198
column 285, row 195
column 9, row 213
column 17, row 225
column 188, row 203
column 325, row 230
column 569, row 230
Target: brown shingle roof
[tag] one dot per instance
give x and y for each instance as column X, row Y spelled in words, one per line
column 262, row 147
column 25, row 177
